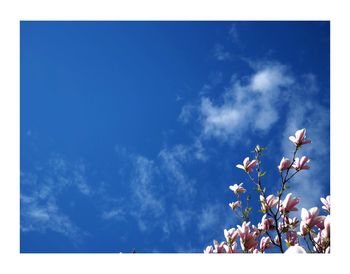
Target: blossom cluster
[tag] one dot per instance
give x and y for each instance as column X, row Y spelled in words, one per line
column 279, row 228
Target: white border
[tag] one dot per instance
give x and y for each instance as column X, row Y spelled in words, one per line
column 14, row 11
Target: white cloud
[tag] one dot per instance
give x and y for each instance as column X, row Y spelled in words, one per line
column 209, row 217
column 152, row 182
column 42, row 214
column 114, row 214
column 41, row 194
column 219, row 121
column 233, row 32
column 251, row 106
column 270, row 78
column 145, row 188
column 80, row 179
column 172, row 165
column 182, row 218
column 186, row 114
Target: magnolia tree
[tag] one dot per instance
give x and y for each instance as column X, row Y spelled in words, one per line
column 309, row 233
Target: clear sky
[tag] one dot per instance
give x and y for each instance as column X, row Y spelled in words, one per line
column 130, row 131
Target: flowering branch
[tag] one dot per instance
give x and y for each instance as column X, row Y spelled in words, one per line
column 276, row 227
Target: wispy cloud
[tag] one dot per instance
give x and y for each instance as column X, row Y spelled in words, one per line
column 145, row 187
column 114, row 214
column 220, row 53
column 187, row 113
column 41, row 196
column 152, row 182
column 234, row 34
column 209, row 217
column 172, row 161
column 213, row 219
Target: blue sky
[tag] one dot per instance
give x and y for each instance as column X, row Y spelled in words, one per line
column 130, row 131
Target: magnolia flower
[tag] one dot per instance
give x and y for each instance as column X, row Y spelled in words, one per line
column 327, row 203
column 234, row 205
column 209, row 249
column 269, row 203
column 300, row 138
column 231, row 248
column 219, row 248
column 284, row 164
column 289, row 203
column 247, row 239
column 266, row 223
column 300, row 164
column 237, row 188
column 291, row 238
column 248, row 243
column 257, row 149
column 247, row 165
column 231, row 235
column 291, row 222
column 296, row 249
column 322, row 240
column 255, row 231
column 281, row 226
column 309, row 219
column 244, row 229
column 265, row 243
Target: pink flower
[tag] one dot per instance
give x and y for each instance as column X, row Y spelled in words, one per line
column 326, row 203
column 237, row 188
column 266, row 223
column 300, row 138
column 322, row 242
column 234, row 205
column 281, row 226
column 244, row 229
column 256, row 232
column 231, row 248
column 310, row 218
column 284, row 164
column 289, row 204
column 265, row 243
column 247, row 239
column 247, row 165
column 269, row 203
column 291, row 238
column 231, row 235
column 209, row 249
column 219, row 248
column 291, row 222
column 300, row 164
